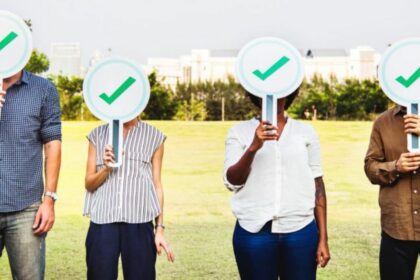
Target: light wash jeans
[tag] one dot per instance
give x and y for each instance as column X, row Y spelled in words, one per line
column 26, row 251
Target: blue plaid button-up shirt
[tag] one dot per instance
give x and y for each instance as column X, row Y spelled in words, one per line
column 30, row 118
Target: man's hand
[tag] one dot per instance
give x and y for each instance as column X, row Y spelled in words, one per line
column 44, row 219
column 2, row 97
column 408, row 162
column 412, row 124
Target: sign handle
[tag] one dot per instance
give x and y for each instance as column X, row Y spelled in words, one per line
column 116, row 140
column 413, row 139
column 1, row 88
column 269, row 109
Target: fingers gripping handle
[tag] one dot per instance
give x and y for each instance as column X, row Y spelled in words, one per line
column 116, row 140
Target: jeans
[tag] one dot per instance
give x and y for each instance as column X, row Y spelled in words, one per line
column 135, row 243
column 26, row 251
column 267, row 256
column 398, row 258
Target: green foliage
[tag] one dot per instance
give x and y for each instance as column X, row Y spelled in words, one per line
column 192, row 110
column 352, row 99
column 38, row 63
column 71, row 99
column 217, row 96
column 161, row 105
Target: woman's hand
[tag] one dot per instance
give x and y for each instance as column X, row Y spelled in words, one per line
column 264, row 132
column 323, row 253
column 412, row 124
column 109, row 157
column 160, row 243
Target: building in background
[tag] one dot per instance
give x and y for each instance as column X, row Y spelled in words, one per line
column 207, row 65
column 199, row 65
column 360, row 63
column 65, row 59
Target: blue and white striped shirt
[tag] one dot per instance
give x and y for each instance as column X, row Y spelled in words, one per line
column 128, row 194
column 30, row 118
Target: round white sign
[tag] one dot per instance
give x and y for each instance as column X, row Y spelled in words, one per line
column 15, row 44
column 399, row 72
column 269, row 66
column 116, row 89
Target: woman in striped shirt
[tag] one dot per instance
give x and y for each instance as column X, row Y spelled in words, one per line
column 122, row 203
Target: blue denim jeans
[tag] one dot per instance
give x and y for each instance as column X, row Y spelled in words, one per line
column 26, row 251
column 267, row 256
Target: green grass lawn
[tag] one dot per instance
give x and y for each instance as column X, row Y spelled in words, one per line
column 197, row 211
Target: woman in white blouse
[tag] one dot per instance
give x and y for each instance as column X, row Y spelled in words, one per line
column 279, row 197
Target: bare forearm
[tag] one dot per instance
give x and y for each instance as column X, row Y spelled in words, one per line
column 321, row 208
column 238, row 173
column 52, row 151
column 159, row 219
column 94, row 181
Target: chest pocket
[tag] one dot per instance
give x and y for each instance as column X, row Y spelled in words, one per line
column 139, row 164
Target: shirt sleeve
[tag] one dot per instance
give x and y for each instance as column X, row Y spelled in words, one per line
column 314, row 154
column 92, row 136
column 233, row 153
column 159, row 140
column 50, row 116
column 379, row 171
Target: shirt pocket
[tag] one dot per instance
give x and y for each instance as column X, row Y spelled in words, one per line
column 139, row 164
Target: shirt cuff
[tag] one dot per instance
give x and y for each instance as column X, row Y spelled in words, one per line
column 230, row 186
column 393, row 174
column 51, row 138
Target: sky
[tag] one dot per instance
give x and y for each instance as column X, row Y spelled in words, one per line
column 139, row 29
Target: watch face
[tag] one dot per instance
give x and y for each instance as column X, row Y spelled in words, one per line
column 53, row 195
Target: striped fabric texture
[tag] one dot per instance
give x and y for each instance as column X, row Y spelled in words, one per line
column 128, row 194
column 29, row 119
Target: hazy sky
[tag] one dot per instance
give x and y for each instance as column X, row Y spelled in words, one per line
column 139, row 29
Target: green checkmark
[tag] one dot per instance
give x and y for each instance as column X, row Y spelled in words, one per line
column 408, row 82
column 120, row 90
column 275, row 67
column 7, row 40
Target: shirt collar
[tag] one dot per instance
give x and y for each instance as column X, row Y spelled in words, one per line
column 25, row 78
column 399, row 110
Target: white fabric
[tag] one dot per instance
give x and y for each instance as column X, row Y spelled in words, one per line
column 281, row 185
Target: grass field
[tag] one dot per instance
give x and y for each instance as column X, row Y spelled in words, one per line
column 197, row 211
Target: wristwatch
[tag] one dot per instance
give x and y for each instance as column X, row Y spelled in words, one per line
column 53, row 195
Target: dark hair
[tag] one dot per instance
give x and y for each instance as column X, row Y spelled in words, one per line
column 257, row 101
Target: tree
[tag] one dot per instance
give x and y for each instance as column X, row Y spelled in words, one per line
column 38, row 63
column 71, row 99
column 161, row 105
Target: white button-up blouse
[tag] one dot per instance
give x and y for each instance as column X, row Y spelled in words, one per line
column 281, row 185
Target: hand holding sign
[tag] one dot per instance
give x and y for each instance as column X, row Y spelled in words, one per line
column 15, row 45
column 399, row 76
column 269, row 68
column 116, row 90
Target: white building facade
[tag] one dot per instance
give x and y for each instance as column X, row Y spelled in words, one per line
column 65, row 59
column 206, row 65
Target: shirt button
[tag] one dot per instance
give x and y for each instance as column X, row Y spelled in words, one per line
column 415, row 212
column 415, row 191
column 414, row 172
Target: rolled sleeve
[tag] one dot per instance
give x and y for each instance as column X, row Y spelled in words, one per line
column 377, row 169
column 51, row 116
column 314, row 154
column 233, row 152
